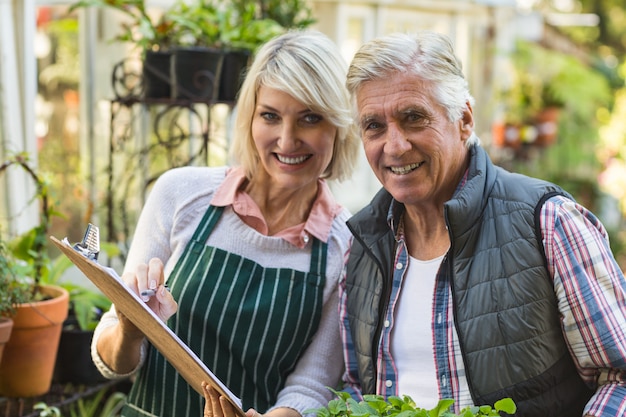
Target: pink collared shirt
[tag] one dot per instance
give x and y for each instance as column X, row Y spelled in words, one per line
column 318, row 224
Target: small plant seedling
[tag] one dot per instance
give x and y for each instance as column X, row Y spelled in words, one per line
column 376, row 406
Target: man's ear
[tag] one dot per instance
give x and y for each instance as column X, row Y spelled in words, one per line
column 467, row 121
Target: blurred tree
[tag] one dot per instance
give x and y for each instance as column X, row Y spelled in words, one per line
column 606, row 40
column 611, row 29
column 589, row 159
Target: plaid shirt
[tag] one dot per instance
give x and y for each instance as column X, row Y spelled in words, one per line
column 591, row 292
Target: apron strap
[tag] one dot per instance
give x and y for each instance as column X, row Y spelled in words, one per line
column 318, row 257
column 204, row 229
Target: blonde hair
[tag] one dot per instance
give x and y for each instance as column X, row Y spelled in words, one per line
column 307, row 65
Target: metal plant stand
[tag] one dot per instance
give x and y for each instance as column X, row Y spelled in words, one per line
column 149, row 136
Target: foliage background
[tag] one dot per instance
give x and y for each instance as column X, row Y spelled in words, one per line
column 589, row 158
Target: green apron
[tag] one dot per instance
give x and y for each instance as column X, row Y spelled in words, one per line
column 247, row 323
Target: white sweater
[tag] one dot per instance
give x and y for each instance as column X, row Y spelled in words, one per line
column 167, row 222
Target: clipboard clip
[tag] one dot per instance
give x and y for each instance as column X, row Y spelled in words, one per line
column 90, row 245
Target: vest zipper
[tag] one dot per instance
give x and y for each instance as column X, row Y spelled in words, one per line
column 449, row 262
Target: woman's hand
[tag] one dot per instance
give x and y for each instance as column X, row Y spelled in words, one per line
column 120, row 346
column 218, row 406
column 149, row 277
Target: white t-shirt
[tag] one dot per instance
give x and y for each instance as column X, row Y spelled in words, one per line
column 412, row 336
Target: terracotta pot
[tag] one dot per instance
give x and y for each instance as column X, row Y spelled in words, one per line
column 547, row 122
column 29, row 356
column 498, row 132
column 512, row 135
column 6, row 325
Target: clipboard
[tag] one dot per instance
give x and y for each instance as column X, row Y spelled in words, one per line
column 183, row 359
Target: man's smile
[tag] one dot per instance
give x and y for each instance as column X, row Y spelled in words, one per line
column 402, row 170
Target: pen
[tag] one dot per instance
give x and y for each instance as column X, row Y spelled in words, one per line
column 150, row 293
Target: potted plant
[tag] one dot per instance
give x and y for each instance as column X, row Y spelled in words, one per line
column 196, row 58
column 232, row 30
column 13, row 293
column 242, row 31
column 153, row 36
column 376, row 406
column 247, row 24
column 288, row 13
column 535, row 95
column 73, row 362
column 177, row 49
column 28, row 357
column 208, row 39
column 141, row 29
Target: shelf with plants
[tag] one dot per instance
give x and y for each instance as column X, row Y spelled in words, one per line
column 533, row 100
column 28, row 363
column 40, row 300
column 13, row 293
column 547, row 92
column 158, row 122
column 195, row 50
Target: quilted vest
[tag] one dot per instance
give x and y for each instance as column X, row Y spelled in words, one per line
column 505, row 308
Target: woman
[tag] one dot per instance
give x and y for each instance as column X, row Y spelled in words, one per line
column 252, row 253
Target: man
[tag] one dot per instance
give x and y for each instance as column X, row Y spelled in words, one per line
column 465, row 281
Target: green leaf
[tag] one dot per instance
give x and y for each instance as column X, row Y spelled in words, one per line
column 361, row 409
column 441, row 407
column 337, row 407
column 406, row 413
column 342, row 395
column 372, row 397
column 507, row 405
column 321, row 411
column 408, row 401
column 467, row 412
column 394, row 406
column 394, row 401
